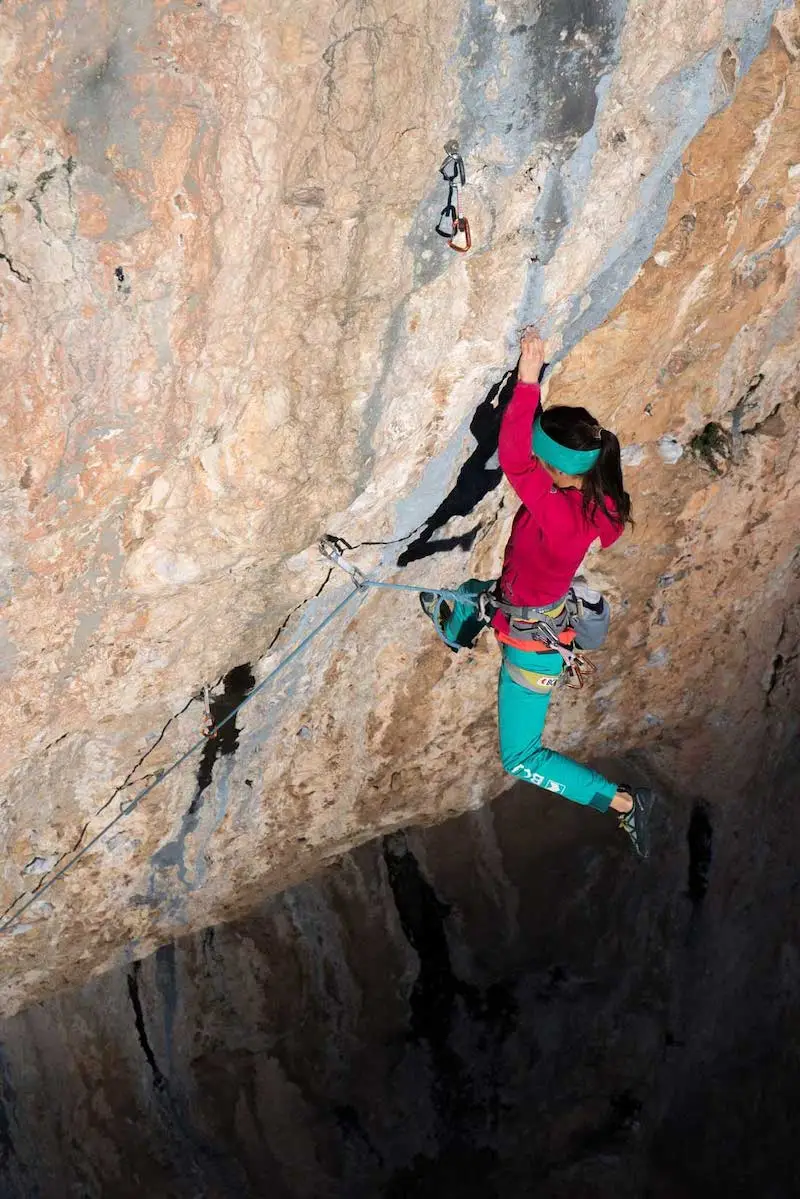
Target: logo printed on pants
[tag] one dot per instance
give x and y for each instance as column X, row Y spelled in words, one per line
column 539, row 780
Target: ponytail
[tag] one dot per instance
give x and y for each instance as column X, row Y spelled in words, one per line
column 604, row 482
column 577, row 429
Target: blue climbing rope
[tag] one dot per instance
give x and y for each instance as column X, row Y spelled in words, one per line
column 440, row 596
column 163, row 774
column 333, row 549
column 361, row 583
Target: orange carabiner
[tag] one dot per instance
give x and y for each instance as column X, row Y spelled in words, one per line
column 461, row 239
column 580, row 666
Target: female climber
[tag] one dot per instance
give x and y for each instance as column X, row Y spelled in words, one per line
column 567, row 472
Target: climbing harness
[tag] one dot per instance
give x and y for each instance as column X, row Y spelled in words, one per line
column 548, row 629
column 452, row 223
column 532, row 680
column 540, row 638
column 528, row 614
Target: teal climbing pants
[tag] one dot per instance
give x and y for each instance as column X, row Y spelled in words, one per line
column 522, row 710
column 521, row 713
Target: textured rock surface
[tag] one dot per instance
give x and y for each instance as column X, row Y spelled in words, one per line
column 503, row 1005
column 227, row 326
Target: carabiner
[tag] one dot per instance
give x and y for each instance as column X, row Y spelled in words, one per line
column 453, row 168
column 579, row 667
column 462, row 238
column 447, row 224
column 333, row 549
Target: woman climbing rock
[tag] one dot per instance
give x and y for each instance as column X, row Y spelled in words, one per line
column 566, row 470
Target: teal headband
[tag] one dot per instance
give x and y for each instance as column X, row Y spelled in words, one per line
column 572, row 462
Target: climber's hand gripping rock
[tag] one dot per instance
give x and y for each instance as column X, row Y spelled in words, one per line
column 531, row 356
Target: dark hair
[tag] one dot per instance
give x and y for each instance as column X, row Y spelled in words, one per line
column 577, row 429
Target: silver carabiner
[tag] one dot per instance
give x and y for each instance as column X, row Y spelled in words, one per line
column 333, row 549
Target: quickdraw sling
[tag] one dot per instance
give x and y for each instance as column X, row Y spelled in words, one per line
column 452, row 223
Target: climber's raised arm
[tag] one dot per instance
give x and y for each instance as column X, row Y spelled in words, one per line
column 523, row 471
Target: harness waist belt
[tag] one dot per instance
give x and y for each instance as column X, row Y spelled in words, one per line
column 514, row 612
column 532, row 644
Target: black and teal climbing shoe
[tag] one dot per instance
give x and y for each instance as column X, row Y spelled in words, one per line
column 438, row 613
column 636, row 823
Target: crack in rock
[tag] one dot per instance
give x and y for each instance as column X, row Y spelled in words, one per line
column 228, row 735
column 15, row 269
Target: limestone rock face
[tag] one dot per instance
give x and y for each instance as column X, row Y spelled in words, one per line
column 228, row 327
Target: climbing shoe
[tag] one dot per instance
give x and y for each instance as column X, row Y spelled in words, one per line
column 439, row 616
column 636, row 823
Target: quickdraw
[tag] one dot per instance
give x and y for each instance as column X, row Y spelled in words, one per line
column 452, row 223
column 333, row 548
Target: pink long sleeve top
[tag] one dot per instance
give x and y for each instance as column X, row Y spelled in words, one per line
column 551, row 532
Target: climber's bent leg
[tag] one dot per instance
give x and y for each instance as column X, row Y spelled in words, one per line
column 463, row 624
column 521, row 717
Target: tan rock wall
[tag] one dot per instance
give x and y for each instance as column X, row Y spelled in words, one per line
column 228, row 327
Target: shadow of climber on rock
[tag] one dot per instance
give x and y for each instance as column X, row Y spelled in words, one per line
column 479, row 475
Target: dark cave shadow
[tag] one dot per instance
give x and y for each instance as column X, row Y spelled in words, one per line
column 475, row 479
